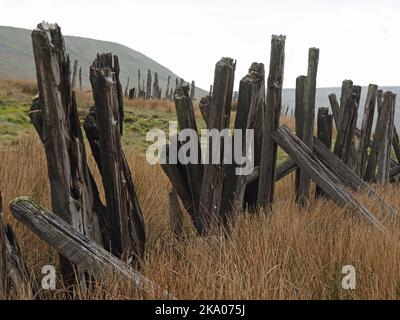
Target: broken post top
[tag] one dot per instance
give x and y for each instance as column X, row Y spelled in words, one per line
column 181, row 92
column 256, row 73
column 53, row 33
column 229, row 62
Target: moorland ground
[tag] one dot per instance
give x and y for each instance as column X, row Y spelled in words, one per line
column 285, row 253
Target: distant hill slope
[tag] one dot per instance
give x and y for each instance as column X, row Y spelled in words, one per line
column 16, row 58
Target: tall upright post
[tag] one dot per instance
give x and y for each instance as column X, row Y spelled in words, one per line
column 74, row 74
column 80, row 78
column 192, row 90
column 148, row 87
column 272, row 113
column 309, row 115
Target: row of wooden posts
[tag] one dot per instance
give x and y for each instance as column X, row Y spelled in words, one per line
column 92, row 236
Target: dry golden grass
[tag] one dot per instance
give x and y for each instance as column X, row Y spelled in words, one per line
column 288, row 254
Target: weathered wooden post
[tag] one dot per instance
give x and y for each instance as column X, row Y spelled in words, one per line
column 301, row 83
column 123, row 216
column 237, row 191
column 148, row 87
column 270, row 123
column 366, row 129
column 324, row 133
column 126, row 89
column 74, row 195
column 3, row 255
column 309, row 115
column 156, row 88
column 211, row 90
column 80, row 78
column 192, row 90
column 204, row 106
column 139, row 88
column 219, row 115
column 194, row 172
column 379, row 134
column 335, row 107
column 175, row 214
column 74, row 73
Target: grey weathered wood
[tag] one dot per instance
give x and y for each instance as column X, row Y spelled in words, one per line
column 124, row 217
column 80, row 78
column 346, row 175
column 3, row 255
column 299, row 111
column 148, row 85
column 175, row 214
column 324, row 133
column 204, row 105
column 156, row 88
column 271, row 115
column 318, row 172
column 346, row 93
column 192, row 90
column 83, row 252
column 219, row 116
column 73, row 191
column 211, row 90
column 74, row 74
column 309, row 115
column 167, row 90
column 194, row 171
column 346, row 129
column 126, row 92
column 366, row 129
column 138, row 86
column 335, row 108
column 379, row 134
column 396, row 144
column 384, row 155
column 284, row 169
column 248, row 116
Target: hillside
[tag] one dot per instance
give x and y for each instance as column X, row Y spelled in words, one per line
column 16, row 58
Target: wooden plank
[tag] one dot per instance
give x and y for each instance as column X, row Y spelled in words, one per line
column 270, row 123
column 301, row 83
column 82, row 251
column 346, row 175
column 72, row 186
column 248, row 116
column 319, row 173
column 335, row 107
column 324, row 133
column 220, row 110
column 124, row 217
column 379, row 135
column 346, row 130
column 309, row 115
column 194, row 172
column 204, row 106
column 366, row 129
column 175, row 214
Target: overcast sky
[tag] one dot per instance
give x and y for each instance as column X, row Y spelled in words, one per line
column 358, row 40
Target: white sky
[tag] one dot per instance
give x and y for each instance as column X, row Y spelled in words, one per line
column 358, row 40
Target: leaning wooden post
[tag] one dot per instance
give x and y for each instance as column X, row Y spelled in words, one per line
column 74, row 73
column 324, row 133
column 335, row 108
column 301, row 83
column 219, row 116
column 366, row 129
column 194, row 171
column 126, row 89
column 74, row 195
column 309, row 115
column 379, row 134
column 270, row 123
column 124, row 216
column 82, row 251
column 80, row 78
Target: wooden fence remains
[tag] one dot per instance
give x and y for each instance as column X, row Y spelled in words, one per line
column 111, row 236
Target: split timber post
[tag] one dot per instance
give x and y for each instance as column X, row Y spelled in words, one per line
column 366, row 129
column 139, row 89
column 204, row 107
column 156, row 88
column 324, row 132
column 211, row 90
column 148, row 85
column 335, row 107
column 237, row 192
column 74, row 194
column 379, row 134
column 124, row 217
column 126, row 92
column 74, row 74
column 219, row 116
column 384, row 156
column 194, row 172
column 192, row 90
column 301, row 83
column 309, row 115
column 82, row 251
column 270, row 123
column 80, row 78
